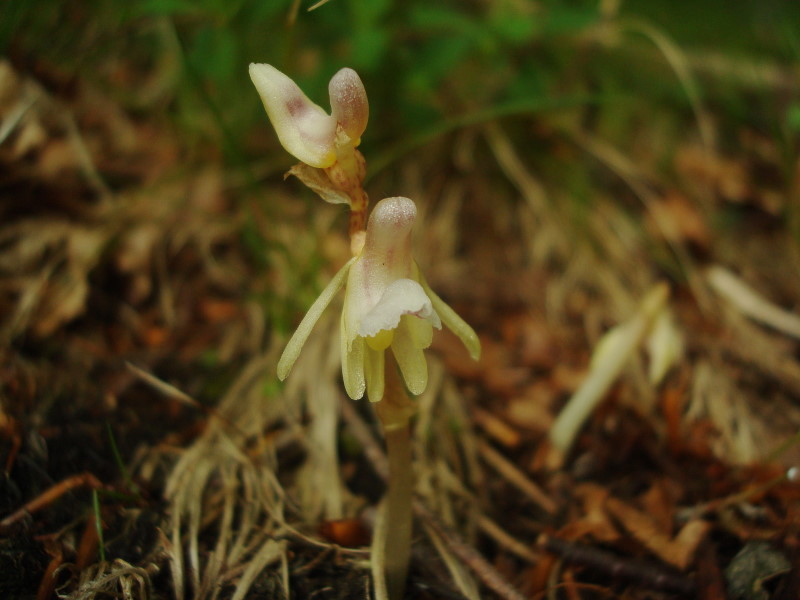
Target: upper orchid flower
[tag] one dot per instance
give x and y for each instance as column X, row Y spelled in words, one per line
column 304, row 129
column 388, row 304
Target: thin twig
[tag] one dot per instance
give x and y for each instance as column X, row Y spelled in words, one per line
column 506, row 541
column 517, row 478
column 471, row 557
column 51, row 495
column 633, row 570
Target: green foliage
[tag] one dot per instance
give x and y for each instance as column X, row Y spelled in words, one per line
column 423, row 62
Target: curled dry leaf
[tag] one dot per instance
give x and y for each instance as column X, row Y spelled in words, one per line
column 677, row 551
column 317, row 180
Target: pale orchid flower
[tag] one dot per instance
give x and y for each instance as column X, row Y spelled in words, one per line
column 304, row 129
column 388, row 305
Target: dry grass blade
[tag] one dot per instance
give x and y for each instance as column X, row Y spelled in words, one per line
column 508, row 159
column 251, row 495
column 118, row 580
column 461, row 577
column 378, row 555
column 517, row 478
column 633, row 176
column 679, row 63
column 271, row 551
column 751, row 303
column 313, row 386
column 506, row 541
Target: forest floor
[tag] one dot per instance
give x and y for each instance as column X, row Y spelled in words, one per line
column 148, row 450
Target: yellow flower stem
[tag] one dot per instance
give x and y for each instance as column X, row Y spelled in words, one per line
column 358, row 210
column 394, row 412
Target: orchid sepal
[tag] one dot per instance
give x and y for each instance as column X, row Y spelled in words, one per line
column 452, row 321
column 298, row 339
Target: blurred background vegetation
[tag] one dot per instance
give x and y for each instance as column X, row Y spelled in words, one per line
column 631, row 69
column 647, row 77
column 424, row 63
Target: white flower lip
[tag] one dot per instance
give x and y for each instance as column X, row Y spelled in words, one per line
column 388, row 305
column 401, row 297
column 304, row 129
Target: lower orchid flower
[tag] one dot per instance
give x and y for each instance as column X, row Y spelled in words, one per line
column 388, row 305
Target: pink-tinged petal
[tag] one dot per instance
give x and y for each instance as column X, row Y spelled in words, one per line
column 410, row 359
column 389, row 233
column 304, row 129
column 401, row 297
column 349, row 103
column 385, row 257
column 374, row 365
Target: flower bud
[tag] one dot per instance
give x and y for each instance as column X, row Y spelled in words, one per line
column 304, row 129
column 349, row 103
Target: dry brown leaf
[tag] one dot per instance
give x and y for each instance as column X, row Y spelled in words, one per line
column 647, row 531
column 728, row 177
column 595, row 521
column 496, row 428
column 659, row 504
column 676, row 218
column 317, row 181
column 534, row 409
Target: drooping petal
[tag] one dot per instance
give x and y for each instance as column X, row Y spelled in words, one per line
column 304, row 129
column 419, row 330
column 401, row 297
column 410, row 358
column 352, row 364
column 374, row 365
column 452, row 321
column 292, row 350
column 349, row 102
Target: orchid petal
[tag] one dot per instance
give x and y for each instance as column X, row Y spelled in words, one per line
column 292, row 350
column 352, row 364
column 349, row 104
column 419, row 330
column 304, row 129
column 374, row 365
column 452, row 321
column 401, row 297
column 410, row 358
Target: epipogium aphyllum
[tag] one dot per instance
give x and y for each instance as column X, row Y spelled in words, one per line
column 389, row 311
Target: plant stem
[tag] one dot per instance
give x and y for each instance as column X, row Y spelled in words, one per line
column 398, row 510
column 394, row 411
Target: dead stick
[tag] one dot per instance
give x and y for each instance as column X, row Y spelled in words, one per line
column 633, row 570
column 471, row 557
column 51, row 495
column 517, row 478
